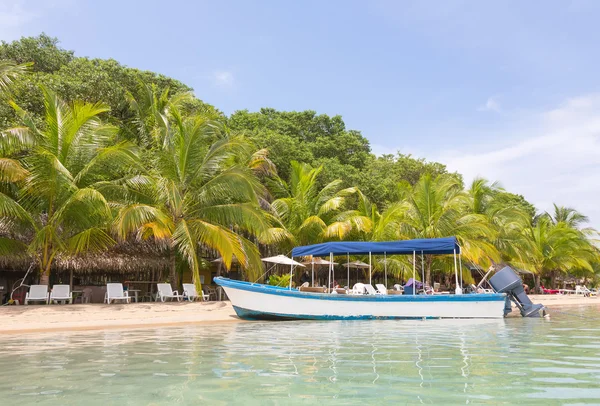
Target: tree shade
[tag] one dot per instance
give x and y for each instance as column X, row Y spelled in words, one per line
column 446, row 245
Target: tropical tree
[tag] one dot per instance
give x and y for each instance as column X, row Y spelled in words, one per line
column 50, row 174
column 439, row 207
column 507, row 217
column 199, row 189
column 308, row 215
column 570, row 218
column 556, row 248
column 9, row 71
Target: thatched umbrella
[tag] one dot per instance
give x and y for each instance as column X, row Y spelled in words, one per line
column 356, row 265
column 317, row 261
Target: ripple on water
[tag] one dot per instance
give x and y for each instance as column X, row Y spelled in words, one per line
column 349, row 362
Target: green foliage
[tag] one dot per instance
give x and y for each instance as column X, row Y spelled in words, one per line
column 42, row 51
column 199, row 187
column 279, row 280
column 92, row 152
column 75, row 78
column 380, row 179
column 56, row 172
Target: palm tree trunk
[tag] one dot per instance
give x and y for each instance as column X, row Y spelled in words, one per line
column 44, row 278
column 428, row 260
column 173, row 269
column 538, row 282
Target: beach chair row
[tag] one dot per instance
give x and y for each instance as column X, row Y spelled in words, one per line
column 114, row 293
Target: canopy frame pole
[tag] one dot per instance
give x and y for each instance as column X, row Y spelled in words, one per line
column 291, row 273
column 348, row 263
column 423, row 270
column 458, row 289
column 461, row 269
column 414, row 271
column 370, row 269
column 329, row 273
column 332, row 270
column 313, row 271
column 385, row 268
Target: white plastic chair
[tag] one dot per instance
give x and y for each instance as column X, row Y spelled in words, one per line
column 587, row 292
column 189, row 292
column 371, row 290
column 114, row 291
column 165, row 291
column 381, row 289
column 358, row 289
column 61, row 293
column 399, row 287
column 37, row 293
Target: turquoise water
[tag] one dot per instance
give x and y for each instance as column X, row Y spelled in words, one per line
column 530, row 361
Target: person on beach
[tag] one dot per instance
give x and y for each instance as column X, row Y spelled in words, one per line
column 304, row 278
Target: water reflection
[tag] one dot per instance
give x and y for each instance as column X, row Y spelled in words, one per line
column 350, row 362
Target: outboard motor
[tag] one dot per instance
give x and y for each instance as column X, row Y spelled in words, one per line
column 507, row 281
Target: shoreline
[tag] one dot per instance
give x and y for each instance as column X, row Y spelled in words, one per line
column 16, row 320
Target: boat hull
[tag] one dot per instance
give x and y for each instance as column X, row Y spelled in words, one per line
column 263, row 302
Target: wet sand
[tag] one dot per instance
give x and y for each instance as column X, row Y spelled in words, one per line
column 47, row 318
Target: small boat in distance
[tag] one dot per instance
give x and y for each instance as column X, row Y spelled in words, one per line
column 257, row 301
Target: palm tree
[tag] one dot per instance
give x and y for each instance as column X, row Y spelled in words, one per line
column 308, row 215
column 504, row 216
column 569, row 217
column 50, row 201
column 199, row 190
column 556, row 248
column 439, row 207
column 9, row 71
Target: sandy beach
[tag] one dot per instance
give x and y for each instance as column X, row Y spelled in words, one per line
column 40, row 318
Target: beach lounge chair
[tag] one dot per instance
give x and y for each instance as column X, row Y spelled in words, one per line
column 579, row 290
column 381, row 289
column 189, row 292
column 479, row 289
column 399, row 287
column 358, row 289
column 371, row 290
column 165, row 291
column 37, row 293
column 550, row 291
column 61, row 293
column 114, row 291
column 587, row 292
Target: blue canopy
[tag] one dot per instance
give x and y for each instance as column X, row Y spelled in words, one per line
column 425, row 246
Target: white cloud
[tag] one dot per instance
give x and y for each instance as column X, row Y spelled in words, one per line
column 490, row 105
column 551, row 157
column 224, row 78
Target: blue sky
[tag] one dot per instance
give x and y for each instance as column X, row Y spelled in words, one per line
column 508, row 90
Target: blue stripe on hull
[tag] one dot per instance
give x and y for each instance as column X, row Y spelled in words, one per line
column 279, row 291
column 255, row 315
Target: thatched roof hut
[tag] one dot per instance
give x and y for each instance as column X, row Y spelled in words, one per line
column 125, row 257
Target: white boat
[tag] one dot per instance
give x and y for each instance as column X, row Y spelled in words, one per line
column 259, row 301
column 256, row 301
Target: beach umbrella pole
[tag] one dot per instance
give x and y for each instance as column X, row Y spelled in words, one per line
column 458, row 289
column 370, row 282
column 348, row 263
column 461, row 270
column 414, row 272
column 385, row 268
column 423, row 269
column 313, row 272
